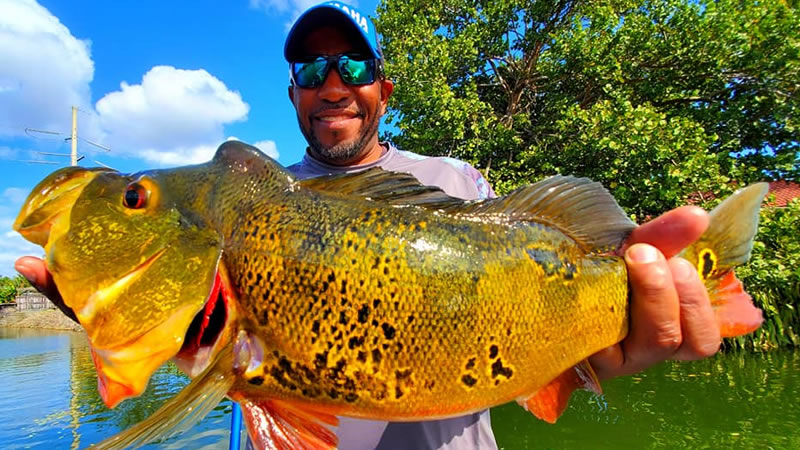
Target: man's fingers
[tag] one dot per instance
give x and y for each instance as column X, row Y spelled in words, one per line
column 35, row 270
column 701, row 337
column 672, row 231
column 608, row 362
column 655, row 322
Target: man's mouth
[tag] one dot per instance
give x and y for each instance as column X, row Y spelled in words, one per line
column 334, row 115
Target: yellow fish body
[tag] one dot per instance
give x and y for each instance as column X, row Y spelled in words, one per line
column 366, row 295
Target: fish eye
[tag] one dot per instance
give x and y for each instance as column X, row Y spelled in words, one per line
column 135, row 196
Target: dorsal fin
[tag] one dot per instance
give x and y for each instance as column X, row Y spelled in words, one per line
column 394, row 188
column 244, row 158
column 579, row 207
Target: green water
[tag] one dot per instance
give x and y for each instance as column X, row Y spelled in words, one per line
column 48, row 399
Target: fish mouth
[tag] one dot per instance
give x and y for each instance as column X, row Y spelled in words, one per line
column 207, row 334
column 124, row 371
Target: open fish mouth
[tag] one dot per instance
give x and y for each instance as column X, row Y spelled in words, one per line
column 207, row 330
column 124, row 371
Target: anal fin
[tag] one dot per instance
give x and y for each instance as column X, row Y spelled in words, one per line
column 280, row 425
column 549, row 402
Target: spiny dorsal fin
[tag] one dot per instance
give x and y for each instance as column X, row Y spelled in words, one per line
column 579, row 207
column 380, row 185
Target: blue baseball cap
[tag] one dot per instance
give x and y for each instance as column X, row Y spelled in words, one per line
column 336, row 14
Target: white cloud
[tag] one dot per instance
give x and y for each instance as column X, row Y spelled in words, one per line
column 291, row 8
column 45, row 70
column 282, row 6
column 174, row 111
column 16, row 195
column 268, row 147
column 170, row 117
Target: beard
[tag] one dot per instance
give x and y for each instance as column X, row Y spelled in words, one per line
column 343, row 151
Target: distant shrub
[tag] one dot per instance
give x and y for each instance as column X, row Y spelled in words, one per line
column 10, row 286
column 772, row 277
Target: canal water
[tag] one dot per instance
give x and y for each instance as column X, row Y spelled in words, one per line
column 48, row 399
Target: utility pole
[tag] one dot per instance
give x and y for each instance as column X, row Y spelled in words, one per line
column 73, row 156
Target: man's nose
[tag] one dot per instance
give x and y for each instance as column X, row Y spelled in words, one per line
column 333, row 89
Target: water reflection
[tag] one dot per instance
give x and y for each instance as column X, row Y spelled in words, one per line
column 733, row 400
column 49, row 398
column 50, row 384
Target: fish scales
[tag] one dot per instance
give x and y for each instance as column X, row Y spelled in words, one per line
column 375, row 309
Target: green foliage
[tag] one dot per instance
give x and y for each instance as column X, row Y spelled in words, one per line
column 661, row 101
column 651, row 98
column 10, row 286
column 773, row 278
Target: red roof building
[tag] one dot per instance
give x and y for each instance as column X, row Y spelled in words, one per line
column 784, row 191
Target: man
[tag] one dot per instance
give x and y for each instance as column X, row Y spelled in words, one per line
column 340, row 93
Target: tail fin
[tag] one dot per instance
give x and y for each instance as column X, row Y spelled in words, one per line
column 726, row 244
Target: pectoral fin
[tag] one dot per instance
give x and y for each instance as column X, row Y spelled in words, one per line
column 276, row 424
column 549, row 402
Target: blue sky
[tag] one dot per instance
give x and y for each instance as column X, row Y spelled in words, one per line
column 159, row 83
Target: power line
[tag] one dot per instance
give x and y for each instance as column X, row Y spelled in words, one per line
column 73, row 138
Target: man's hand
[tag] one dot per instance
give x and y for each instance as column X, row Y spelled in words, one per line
column 670, row 313
column 35, row 270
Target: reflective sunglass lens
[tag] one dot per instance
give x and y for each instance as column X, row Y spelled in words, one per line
column 310, row 74
column 354, row 72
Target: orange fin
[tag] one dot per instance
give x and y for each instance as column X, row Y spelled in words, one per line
column 549, row 402
column 733, row 307
column 276, row 424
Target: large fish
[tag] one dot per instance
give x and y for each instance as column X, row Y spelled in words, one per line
column 365, row 295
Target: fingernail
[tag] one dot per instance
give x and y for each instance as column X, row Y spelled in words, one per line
column 642, row 254
column 682, row 270
column 25, row 270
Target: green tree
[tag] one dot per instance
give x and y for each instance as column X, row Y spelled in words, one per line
column 655, row 99
column 10, row 286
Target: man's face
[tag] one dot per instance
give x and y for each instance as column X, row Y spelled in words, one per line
column 339, row 121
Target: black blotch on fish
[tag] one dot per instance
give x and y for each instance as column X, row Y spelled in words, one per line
column 469, row 380
column 707, row 264
column 258, row 381
column 363, row 314
column 355, row 341
column 498, row 369
column 388, row 330
column 493, row 352
column 546, row 259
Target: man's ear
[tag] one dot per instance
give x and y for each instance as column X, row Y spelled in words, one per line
column 291, row 93
column 387, row 87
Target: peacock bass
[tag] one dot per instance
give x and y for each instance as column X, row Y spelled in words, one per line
column 365, row 295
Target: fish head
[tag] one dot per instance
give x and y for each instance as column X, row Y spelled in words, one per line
column 134, row 265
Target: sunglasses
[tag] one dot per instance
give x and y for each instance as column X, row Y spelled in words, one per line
column 353, row 71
